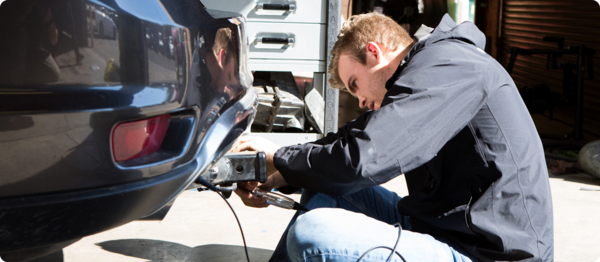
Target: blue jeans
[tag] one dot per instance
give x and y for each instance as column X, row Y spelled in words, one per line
column 344, row 228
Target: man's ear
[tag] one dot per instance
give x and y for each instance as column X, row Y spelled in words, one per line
column 222, row 56
column 374, row 52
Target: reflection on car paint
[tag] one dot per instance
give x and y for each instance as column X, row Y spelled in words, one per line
column 73, row 70
column 104, row 57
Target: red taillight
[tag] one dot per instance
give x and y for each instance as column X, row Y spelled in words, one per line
column 137, row 139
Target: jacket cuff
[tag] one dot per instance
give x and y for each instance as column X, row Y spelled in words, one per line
column 288, row 189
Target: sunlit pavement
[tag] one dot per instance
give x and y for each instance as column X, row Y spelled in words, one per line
column 200, row 227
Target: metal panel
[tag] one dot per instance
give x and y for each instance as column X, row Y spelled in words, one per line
column 525, row 23
column 334, row 18
column 306, row 11
column 308, row 41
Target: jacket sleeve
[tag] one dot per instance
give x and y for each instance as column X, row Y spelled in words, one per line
column 435, row 96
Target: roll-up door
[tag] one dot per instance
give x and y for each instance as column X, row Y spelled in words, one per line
column 525, row 23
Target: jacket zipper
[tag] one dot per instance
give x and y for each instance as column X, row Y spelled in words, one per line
column 480, row 151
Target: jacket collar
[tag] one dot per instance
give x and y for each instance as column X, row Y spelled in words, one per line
column 446, row 29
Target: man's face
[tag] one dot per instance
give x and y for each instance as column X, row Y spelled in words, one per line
column 223, row 73
column 366, row 83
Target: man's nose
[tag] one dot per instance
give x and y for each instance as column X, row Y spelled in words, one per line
column 362, row 102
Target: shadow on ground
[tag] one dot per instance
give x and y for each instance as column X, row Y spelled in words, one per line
column 156, row 250
column 581, row 178
column 57, row 256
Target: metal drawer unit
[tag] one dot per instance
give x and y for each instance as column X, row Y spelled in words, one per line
column 292, row 35
column 294, row 11
column 284, row 35
column 287, row 41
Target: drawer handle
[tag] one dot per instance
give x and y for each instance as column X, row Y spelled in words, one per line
column 276, row 7
column 276, row 40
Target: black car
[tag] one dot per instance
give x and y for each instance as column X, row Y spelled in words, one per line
column 99, row 128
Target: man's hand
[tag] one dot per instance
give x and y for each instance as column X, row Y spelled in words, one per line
column 245, row 143
column 274, row 178
column 244, row 190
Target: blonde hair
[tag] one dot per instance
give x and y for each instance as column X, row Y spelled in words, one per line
column 224, row 40
column 357, row 32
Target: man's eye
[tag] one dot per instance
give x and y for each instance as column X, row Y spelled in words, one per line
column 353, row 86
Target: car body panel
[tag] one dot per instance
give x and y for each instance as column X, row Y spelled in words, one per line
column 63, row 91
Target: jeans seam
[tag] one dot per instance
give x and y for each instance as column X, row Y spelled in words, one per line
column 304, row 258
column 359, row 206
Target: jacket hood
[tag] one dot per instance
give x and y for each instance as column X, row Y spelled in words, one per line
column 447, row 29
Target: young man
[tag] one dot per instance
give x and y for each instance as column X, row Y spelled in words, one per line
column 446, row 115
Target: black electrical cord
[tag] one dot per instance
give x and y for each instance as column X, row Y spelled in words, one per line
column 210, row 186
column 392, row 249
column 396, row 245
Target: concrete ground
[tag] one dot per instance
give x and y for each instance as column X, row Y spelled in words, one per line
column 200, row 227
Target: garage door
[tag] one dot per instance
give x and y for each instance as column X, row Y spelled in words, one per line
column 525, row 23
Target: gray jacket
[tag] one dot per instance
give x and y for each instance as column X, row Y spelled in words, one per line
column 454, row 123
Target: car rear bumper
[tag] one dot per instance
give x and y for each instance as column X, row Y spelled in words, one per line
column 40, row 220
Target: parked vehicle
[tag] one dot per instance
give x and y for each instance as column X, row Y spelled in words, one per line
column 96, row 133
column 104, row 26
